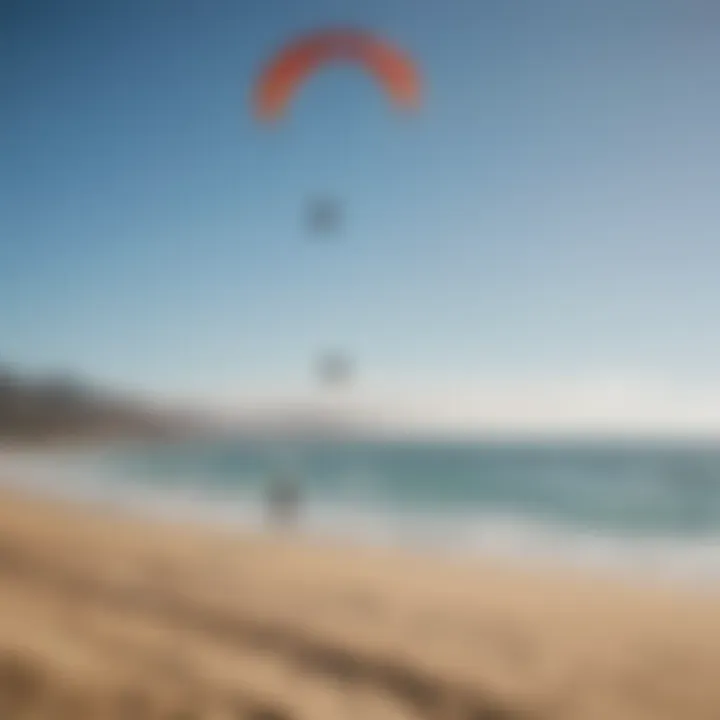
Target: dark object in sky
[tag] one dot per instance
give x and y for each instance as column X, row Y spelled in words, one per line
column 334, row 369
column 296, row 61
column 324, row 217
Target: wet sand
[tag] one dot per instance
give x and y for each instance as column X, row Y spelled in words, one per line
column 103, row 616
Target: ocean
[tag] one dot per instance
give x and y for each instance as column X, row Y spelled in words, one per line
column 650, row 508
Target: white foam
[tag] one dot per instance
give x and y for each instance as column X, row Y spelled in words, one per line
column 514, row 537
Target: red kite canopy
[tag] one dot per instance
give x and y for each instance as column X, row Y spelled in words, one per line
column 297, row 60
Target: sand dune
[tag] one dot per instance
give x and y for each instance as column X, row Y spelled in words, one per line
column 109, row 617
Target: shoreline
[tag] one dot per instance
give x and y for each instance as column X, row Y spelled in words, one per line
column 97, row 606
column 659, row 561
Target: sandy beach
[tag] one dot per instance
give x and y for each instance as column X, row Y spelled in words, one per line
column 105, row 616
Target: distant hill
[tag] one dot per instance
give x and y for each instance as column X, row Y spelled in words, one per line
column 57, row 408
column 60, row 407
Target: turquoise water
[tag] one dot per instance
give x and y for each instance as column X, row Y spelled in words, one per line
column 636, row 490
column 643, row 504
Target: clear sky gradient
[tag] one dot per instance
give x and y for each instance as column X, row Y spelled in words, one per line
column 542, row 239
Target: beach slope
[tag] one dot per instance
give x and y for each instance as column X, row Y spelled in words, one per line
column 105, row 616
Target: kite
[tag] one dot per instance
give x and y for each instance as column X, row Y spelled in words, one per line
column 295, row 62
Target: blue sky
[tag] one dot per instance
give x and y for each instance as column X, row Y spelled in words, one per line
column 549, row 221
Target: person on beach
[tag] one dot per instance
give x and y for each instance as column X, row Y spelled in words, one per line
column 283, row 501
